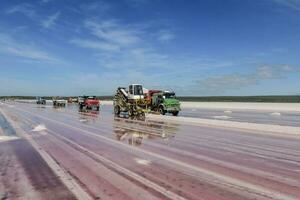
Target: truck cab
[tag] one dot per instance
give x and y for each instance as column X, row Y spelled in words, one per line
column 135, row 92
column 89, row 102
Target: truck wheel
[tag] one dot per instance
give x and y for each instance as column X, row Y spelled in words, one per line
column 175, row 113
column 97, row 108
column 80, row 106
column 130, row 112
column 162, row 110
column 142, row 116
column 117, row 110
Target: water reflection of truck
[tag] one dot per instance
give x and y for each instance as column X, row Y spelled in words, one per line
column 145, row 131
column 88, row 116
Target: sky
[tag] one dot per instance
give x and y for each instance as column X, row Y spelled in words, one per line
column 195, row 48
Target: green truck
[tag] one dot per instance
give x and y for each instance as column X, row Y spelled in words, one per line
column 163, row 102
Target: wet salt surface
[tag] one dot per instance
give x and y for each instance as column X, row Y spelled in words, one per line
column 6, row 127
column 193, row 145
column 260, row 117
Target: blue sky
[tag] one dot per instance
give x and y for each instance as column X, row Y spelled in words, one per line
column 212, row 47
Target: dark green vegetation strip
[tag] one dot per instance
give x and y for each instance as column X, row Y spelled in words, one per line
column 272, row 99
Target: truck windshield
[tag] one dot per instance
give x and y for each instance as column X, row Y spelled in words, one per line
column 138, row 90
column 169, row 96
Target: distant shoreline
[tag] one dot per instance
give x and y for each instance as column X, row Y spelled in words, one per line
column 267, row 99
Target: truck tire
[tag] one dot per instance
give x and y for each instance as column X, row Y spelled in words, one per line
column 162, row 110
column 130, row 112
column 175, row 113
column 117, row 110
column 97, row 108
column 142, row 116
column 80, row 106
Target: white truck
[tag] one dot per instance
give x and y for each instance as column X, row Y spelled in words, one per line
column 59, row 102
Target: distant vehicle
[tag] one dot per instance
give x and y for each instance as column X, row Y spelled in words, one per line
column 89, row 102
column 41, row 100
column 59, row 102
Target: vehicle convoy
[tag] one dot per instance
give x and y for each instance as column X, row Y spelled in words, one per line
column 162, row 102
column 59, row 102
column 130, row 101
column 89, row 102
column 138, row 100
column 41, row 100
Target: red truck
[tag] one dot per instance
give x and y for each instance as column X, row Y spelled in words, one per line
column 89, row 102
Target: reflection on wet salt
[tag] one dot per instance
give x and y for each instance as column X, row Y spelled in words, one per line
column 228, row 111
column 275, row 114
column 86, row 116
column 40, row 127
column 134, row 132
column 222, row 117
column 4, row 138
column 142, row 161
column 6, row 128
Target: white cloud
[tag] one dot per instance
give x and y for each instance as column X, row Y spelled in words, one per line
column 165, row 36
column 99, row 6
column 113, row 32
column 95, row 45
column 46, row 1
column 135, row 58
column 127, row 46
column 293, row 4
column 136, row 3
column 24, row 8
column 223, row 83
column 129, row 43
column 27, row 51
column 50, row 21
